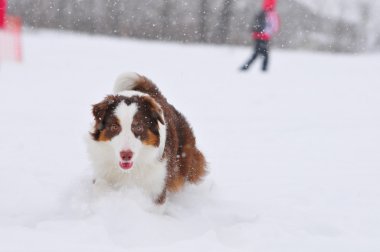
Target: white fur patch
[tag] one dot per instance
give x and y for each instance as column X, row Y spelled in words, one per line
column 130, row 93
column 149, row 169
column 126, row 81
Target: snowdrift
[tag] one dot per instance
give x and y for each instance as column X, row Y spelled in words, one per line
column 293, row 154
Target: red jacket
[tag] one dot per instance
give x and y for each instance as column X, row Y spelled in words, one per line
column 272, row 22
column 3, row 8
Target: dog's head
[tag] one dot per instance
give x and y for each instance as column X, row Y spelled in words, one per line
column 132, row 124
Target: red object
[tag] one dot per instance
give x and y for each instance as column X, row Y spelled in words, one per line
column 261, row 36
column 10, row 40
column 3, row 8
column 269, row 5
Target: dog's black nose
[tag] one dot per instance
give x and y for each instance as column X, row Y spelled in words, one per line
column 126, row 155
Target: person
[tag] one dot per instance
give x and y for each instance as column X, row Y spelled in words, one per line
column 3, row 7
column 265, row 25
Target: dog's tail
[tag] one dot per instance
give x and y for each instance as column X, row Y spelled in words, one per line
column 126, row 81
column 134, row 81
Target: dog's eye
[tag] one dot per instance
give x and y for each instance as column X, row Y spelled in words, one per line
column 114, row 127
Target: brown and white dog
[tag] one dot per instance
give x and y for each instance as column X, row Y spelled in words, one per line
column 139, row 139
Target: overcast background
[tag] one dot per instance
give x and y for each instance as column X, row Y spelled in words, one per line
column 330, row 25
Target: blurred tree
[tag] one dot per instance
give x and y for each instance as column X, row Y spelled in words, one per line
column 113, row 10
column 364, row 10
column 224, row 23
column 167, row 10
column 203, row 13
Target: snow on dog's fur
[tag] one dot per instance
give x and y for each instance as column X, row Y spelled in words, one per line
column 139, row 139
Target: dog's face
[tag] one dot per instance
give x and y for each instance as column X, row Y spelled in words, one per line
column 130, row 125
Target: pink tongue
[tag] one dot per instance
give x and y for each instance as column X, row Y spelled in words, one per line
column 126, row 165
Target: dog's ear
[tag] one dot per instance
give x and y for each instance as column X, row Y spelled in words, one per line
column 100, row 109
column 153, row 108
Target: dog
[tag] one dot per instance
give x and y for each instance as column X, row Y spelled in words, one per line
column 139, row 139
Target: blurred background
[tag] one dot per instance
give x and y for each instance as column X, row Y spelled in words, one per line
column 348, row 26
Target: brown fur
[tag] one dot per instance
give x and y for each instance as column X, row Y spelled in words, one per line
column 144, row 125
column 104, row 118
column 185, row 161
column 151, row 139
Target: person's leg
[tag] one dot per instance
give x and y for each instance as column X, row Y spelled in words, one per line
column 265, row 61
column 249, row 62
column 253, row 57
column 264, row 50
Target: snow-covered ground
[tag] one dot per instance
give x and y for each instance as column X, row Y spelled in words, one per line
column 293, row 154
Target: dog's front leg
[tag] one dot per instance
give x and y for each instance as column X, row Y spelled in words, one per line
column 161, row 198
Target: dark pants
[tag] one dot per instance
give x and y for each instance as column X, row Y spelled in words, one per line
column 261, row 48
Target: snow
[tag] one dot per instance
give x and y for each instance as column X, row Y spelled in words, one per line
column 293, row 154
